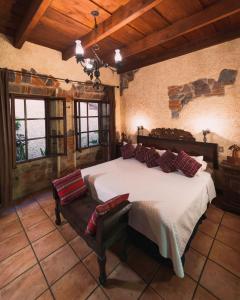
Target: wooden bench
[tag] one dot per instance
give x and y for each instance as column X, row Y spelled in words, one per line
column 111, row 227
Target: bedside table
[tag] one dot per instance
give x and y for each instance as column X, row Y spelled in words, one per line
column 231, row 189
column 118, row 149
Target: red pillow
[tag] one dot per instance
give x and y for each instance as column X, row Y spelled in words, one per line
column 166, row 161
column 127, row 151
column 188, row 165
column 70, row 187
column 103, row 209
column 151, row 157
column 140, row 153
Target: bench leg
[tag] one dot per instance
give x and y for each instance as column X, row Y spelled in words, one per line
column 123, row 256
column 57, row 214
column 102, row 269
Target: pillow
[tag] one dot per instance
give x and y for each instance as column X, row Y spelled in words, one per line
column 70, row 187
column 160, row 152
column 127, row 151
column 103, row 209
column 188, row 165
column 166, row 161
column 140, row 153
column 151, row 157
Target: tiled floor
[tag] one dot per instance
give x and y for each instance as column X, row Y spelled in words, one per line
column 39, row 260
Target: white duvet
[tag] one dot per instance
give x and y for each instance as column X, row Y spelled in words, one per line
column 166, row 206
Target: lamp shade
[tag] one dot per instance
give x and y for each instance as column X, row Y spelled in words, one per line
column 118, row 56
column 79, row 48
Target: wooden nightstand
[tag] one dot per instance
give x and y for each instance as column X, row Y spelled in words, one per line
column 231, row 189
column 118, row 149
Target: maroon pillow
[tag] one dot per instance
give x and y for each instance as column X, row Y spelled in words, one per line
column 166, row 161
column 188, row 165
column 151, row 157
column 103, row 209
column 140, row 153
column 127, row 151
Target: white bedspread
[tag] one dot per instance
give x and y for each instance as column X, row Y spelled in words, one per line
column 166, row 207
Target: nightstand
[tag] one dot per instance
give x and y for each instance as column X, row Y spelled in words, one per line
column 118, row 149
column 231, row 188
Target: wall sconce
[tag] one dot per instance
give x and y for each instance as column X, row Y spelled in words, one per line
column 140, row 130
column 205, row 133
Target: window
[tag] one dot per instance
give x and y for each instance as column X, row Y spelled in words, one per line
column 91, row 123
column 40, row 127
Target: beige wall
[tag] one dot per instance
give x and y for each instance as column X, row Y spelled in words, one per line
column 146, row 100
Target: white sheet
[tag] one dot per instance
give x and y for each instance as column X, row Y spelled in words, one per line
column 166, row 207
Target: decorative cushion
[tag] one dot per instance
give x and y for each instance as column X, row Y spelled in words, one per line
column 151, row 157
column 140, row 153
column 103, row 209
column 70, row 187
column 188, row 165
column 166, row 161
column 127, row 151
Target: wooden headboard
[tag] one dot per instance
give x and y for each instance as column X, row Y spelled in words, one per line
column 177, row 140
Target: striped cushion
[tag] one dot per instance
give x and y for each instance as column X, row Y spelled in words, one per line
column 188, row 165
column 70, row 187
column 166, row 161
column 103, row 209
column 140, row 153
column 151, row 157
column 127, row 151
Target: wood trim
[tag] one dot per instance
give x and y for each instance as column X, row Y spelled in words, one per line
column 31, row 19
column 121, row 17
column 208, row 16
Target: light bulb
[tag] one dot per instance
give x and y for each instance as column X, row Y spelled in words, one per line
column 118, row 56
column 79, row 48
column 88, row 64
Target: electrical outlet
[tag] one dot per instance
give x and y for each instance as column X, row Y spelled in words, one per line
column 220, row 149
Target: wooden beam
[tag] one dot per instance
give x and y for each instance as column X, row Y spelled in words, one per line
column 209, row 15
column 121, row 17
column 31, row 19
column 178, row 51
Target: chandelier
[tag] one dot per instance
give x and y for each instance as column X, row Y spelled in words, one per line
column 92, row 65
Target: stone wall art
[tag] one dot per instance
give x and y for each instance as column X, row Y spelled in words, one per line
column 180, row 95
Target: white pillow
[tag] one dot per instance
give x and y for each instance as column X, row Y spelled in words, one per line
column 160, row 152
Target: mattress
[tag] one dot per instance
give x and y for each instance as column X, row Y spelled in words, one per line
column 165, row 206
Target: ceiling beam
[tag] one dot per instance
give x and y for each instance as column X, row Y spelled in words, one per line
column 178, row 51
column 121, row 17
column 216, row 12
column 31, row 19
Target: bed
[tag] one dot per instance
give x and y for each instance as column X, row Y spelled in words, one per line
column 165, row 206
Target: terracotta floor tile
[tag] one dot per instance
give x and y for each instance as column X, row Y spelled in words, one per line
column 28, row 286
column 9, row 229
column 48, row 244
column 202, row 243
column 229, row 237
column 16, row 264
column 40, row 229
column 58, row 263
column 226, row 257
column 80, row 247
column 46, row 296
column 33, row 218
column 91, row 263
column 27, row 207
column 45, row 198
column 231, row 221
column 209, row 227
column 7, row 216
column 214, row 214
column 76, row 284
column 50, row 210
column 150, row 294
column 123, row 283
column 194, row 263
column 98, row 294
column 13, row 244
column 202, row 294
column 169, row 286
column 145, row 266
column 220, row 282
column 67, row 231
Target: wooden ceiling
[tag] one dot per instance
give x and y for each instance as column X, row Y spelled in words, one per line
column 146, row 31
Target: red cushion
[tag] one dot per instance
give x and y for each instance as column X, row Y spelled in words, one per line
column 140, row 153
column 127, row 151
column 151, row 157
column 166, row 161
column 103, row 209
column 70, row 187
column 188, row 165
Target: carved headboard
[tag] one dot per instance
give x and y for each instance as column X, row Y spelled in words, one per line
column 177, row 140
